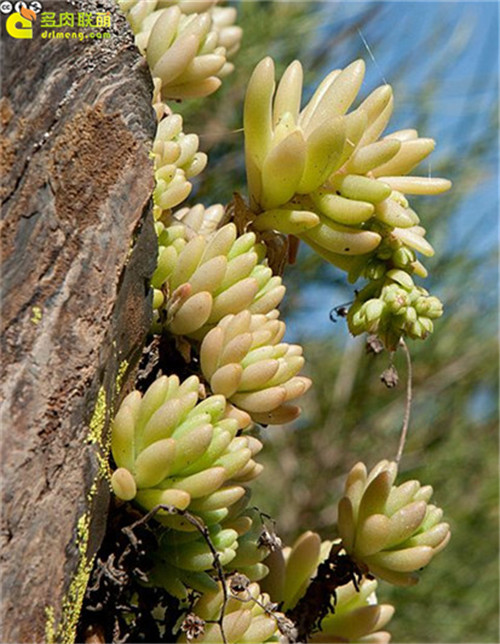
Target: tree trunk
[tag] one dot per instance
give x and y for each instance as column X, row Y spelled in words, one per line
column 78, row 250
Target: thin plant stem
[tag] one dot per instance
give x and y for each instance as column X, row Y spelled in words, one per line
column 409, row 398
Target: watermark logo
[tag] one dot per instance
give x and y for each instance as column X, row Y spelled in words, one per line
column 20, row 23
column 22, row 16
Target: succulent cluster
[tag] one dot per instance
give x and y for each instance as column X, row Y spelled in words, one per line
column 244, row 359
column 248, row 617
column 172, row 450
column 176, row 160
column 185, row 560
column 200, row 280
column 324, row 175
column 393, row 306
column 357, row 616
column 392, row 530
column 186, row 44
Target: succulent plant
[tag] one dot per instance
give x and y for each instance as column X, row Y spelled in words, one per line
column 392, row 307
column 391, row 530
column 206, row 279
column 223, row 19
column 247, row 618
column 176, row 160
column 357, row 617
column 187, row 6
column 244, row 359
column 324, row 175
column 292, row 568
column 199, row 219
column 171, row 449
column 184, row 560
column 252, row 549
column 329, row 166
column 186, row 44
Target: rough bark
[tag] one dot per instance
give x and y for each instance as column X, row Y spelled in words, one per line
column 78, row 249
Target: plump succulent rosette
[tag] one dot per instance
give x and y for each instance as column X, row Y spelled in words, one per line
column 392, row 307
column 391, row 530
column 176, row 160
column 244, row 360
column 357, row 616
column 246, row 620
column 184, row 561
column 199, row 280
column 323, row 174
column 172, row 449
column 186, row 44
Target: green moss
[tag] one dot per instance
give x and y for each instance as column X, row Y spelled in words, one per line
column 50, row 634
column 37, row 315
column 104, row 466
column 120, row 375
column 131, row 247
column 72, row 601
column 98, row 420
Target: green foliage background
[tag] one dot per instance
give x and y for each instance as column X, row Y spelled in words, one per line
column 349, row 415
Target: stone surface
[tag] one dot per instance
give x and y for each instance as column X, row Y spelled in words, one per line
column 78, row 248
